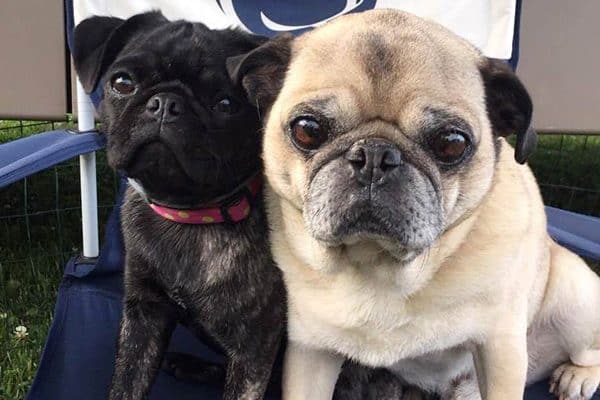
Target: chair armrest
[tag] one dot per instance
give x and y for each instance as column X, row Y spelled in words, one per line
column 577, row 232
column 23, row 157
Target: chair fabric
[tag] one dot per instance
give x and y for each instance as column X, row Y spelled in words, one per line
column 23, row 157
column 488, row 24
column 577, row 232
column 78, row 358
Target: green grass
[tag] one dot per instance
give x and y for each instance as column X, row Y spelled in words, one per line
column 40, row 229
column 11, row 130
column 568, row 169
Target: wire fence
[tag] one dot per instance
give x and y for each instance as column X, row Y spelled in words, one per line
column 40, row 229
column 40, row 216
column 567, row 168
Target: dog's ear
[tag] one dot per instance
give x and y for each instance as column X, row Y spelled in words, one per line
column 243, row 40
column 509, row 106
column 261, row 71
column 98, row 41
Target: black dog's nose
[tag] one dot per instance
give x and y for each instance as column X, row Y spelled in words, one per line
column 373, row 160
column 165, row 106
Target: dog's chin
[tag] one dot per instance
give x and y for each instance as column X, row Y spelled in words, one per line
column 368, row 220
column 158, row 171
column 366, row 246
column 155, row 163
column 360, row 242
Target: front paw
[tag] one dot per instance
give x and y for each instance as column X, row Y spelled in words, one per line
column 570, row 382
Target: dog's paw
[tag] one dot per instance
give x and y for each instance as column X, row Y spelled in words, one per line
column 187, row 367
column 570, row 382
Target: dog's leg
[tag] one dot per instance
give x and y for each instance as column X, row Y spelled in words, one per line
column 250, row 362
column 145, row 331
column 501, row 364
column 576, row 292
column 248, row 375
column 309, row 373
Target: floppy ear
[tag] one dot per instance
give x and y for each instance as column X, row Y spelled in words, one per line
column 98, row 41
column 261, row 71
column 243, row 40
column 509, row 106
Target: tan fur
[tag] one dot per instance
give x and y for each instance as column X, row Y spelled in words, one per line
column 493, row 288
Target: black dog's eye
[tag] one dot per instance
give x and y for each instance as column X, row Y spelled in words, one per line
column 226, row 105
column 122, row 83
column 449, row 146
column 307, row 133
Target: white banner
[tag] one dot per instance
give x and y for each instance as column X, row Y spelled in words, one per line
column 488, row 24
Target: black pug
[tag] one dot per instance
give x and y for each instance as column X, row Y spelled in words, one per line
column 190, row 144
column 195, row 234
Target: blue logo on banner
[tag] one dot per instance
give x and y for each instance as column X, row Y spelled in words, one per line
column 269, row 17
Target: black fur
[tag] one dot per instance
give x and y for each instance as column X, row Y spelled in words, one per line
column 509, row 106
column 219, row 280
column 361, row 383
column 261, row 72
column 356, row 382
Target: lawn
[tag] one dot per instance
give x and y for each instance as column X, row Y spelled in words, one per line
column 40, row 229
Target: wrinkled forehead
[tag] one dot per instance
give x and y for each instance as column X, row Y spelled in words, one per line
column 388, row 66
column 177, row 50
column 172, row 40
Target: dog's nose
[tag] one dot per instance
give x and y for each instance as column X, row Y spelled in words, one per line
column 373, row 160
column 165, row 107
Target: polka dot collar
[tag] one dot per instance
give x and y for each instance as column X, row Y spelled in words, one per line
column 232, row 210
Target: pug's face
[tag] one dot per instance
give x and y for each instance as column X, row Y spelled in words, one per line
column 385, row 128
column 174, row 121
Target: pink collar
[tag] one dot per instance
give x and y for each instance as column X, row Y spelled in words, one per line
column 233, row 211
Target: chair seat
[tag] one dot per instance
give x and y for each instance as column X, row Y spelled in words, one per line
column 78, row 359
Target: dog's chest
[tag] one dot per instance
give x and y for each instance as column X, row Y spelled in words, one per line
column 195, row 265
column 191, row 258
column 373, row 324
column 437, row 371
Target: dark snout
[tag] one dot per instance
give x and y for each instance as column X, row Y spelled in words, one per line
column 167, row 130
column 165, row 107
column 373, row 160
column 160, row 143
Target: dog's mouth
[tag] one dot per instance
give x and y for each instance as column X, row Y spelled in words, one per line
column 182, row 181
column 368, row 220
column 165, row 178
column 158, row 159
column 403, row 212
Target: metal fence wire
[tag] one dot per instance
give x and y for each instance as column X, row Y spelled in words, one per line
column 40, row 217
column 40, row 229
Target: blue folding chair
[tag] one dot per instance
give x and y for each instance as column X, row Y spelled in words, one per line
column 77, row 361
